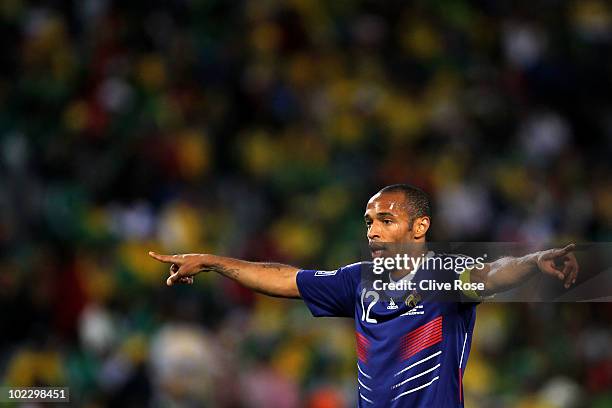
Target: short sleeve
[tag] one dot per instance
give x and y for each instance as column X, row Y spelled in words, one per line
column 330, row 293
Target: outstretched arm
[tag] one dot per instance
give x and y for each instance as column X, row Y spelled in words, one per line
column 271, row 279
column 508, row 272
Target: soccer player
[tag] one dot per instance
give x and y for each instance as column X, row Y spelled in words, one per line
column 412, row 351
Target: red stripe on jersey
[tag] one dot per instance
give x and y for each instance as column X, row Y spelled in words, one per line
column 430, row 329
column 363, row 344
column 421, row 346
column 421, row 338
column 418, row 330
column 424, row 335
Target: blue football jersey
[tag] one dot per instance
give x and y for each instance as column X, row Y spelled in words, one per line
column 412, row 347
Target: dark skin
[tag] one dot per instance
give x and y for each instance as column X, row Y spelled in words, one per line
column 388, row 220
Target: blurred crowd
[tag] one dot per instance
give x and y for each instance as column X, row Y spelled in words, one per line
column 259, row 129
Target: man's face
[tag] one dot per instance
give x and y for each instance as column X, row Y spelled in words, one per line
column 388, row 221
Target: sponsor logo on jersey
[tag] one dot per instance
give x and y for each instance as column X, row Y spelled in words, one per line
column 325, row 273
column 392, row 305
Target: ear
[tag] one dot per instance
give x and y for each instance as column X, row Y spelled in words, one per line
column 420, row 227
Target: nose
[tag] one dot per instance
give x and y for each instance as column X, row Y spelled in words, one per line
column 373, row 232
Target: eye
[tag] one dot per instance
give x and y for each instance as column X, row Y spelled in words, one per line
column 387, row 222
column 368, row 223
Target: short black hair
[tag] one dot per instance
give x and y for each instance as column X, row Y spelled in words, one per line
column 417, row 200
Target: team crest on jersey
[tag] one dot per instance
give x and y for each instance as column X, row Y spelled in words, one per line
column 392, row 305
column 413, row 299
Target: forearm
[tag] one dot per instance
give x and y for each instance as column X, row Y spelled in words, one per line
column 506, row 273
column 273, row 279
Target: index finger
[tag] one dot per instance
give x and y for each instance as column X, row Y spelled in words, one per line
column 563, row 251
column 164, row 258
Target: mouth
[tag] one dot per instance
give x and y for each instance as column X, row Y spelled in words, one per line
column 377, row 249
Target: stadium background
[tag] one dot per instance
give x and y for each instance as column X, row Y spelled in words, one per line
column 258, row 130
